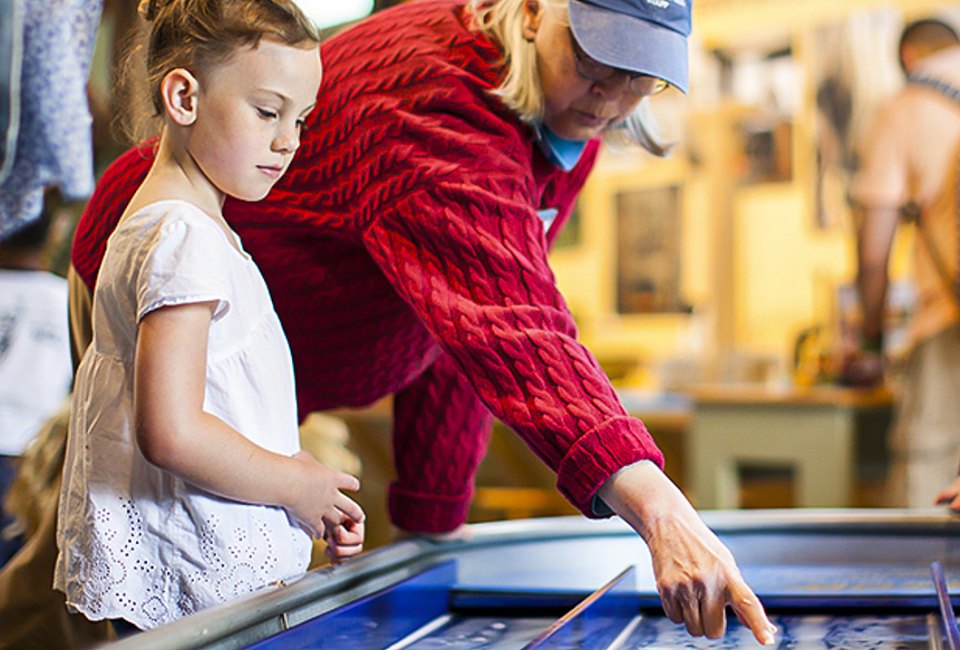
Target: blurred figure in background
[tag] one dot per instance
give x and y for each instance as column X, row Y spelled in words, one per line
column 35, row 368
column 908, row 168
column 45, row 139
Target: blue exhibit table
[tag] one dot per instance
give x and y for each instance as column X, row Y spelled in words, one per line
column 829, row 579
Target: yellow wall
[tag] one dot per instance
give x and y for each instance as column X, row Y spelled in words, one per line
column 721, row 22
column 786, row 270
column 755, row 266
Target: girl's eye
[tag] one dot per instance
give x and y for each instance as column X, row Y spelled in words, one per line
column 302, row 124
column 267, row 114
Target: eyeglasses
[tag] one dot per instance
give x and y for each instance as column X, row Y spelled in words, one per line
column 641, row 85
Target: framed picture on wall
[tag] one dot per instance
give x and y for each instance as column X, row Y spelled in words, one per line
column 766, row 150
column 763, row 74
column 649, row 259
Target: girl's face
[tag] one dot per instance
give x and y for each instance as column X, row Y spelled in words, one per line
column 575, row 107
column 250, row 111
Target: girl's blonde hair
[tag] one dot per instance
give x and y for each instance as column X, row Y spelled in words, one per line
column 197, row 35
column 520, row 89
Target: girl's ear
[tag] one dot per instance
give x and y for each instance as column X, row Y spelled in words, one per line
column 532, row 13
column 179, row 90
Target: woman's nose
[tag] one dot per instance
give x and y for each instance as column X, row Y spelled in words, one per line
column 613, row 87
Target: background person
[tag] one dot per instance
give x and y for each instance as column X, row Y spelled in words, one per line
column 35, row 369
column 908, row 164
column 46, row 47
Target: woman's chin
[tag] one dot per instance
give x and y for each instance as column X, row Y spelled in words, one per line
column 572, row 129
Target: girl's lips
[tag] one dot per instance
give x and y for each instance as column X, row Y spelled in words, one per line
column 272, row 172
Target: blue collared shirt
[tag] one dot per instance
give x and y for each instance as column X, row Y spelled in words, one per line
column 563, row 153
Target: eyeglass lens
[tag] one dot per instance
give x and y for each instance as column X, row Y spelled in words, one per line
column 637, row 83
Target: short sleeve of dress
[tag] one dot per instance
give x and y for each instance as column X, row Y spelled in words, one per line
column 186, row 262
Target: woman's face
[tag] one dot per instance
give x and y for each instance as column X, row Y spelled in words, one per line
column 575, row 107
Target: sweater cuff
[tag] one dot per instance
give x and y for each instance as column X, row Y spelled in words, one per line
column 427, row 513
column 598, row 455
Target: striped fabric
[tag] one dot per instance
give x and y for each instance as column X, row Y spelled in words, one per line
column 950, row 278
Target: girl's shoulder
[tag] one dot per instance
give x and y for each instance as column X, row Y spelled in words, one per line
column 163, row 213
column 153, row 221
column 143, row 231
column 180, row 223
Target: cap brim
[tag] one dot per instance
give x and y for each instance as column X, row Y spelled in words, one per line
column 630, row 43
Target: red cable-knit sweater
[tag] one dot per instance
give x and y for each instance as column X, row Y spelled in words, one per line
column 405, row 255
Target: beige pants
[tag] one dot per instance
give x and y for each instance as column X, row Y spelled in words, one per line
column 32, row 613
column 925, row 440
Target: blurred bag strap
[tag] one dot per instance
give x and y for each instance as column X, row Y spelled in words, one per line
column 11, row 57
column 937, row 84
column 913, row 212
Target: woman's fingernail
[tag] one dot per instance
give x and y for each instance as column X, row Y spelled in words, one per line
column 770, row 638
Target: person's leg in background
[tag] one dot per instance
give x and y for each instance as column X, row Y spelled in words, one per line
column 925, row 439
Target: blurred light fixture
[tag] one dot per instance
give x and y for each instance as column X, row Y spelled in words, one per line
column 327, row 13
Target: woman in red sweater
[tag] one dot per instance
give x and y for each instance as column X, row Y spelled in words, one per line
column 406, row 253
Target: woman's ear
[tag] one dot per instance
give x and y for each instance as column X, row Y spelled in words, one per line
column 532, row 14
column 179, row 90
column 909, row 55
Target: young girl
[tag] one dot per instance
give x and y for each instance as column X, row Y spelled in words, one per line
column 184, row 485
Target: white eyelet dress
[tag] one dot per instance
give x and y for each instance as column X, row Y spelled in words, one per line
column 137, row 542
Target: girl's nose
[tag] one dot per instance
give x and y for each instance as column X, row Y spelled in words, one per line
column 288, row 141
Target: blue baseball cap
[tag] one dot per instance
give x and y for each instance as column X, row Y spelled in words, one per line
column 646, row 36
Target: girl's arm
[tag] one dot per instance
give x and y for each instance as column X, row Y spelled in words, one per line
column 177, row 435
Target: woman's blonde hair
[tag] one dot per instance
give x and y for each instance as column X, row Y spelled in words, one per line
column 502, row 20
column 197, row 35
column 520, row 89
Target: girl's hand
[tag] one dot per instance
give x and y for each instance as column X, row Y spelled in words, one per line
column 344, row 541
column 318, row 503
